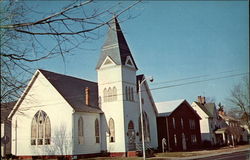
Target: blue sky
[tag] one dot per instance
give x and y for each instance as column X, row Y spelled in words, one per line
column 173, row 40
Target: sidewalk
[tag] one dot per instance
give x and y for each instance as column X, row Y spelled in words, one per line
column 207, row 154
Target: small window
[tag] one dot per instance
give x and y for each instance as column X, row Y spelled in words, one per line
column 175, row 140
column 97, row 134
column 173, row 122
column 182, row 124
column 80, row 131
column 192, row 124
column 193, row 139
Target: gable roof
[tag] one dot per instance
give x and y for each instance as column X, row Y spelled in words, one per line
column 208, row 108
column 115, row 46
column 167, row 107
column 73, row 91
column 6, row 108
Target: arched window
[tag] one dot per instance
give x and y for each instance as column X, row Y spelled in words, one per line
column 47, row 131
column 131, row 94
column 97, row 136
column 130, row 125
column 109, row 94
column 111, row 130
column 40, row 129
column 126, row 93
column 146, row 127
column 80, row 131
column 114, row 94
column 105, row 95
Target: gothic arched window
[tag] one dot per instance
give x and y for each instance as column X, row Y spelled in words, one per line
column 114, row 94
column 131, row 94
column 109, row 94
column 97, row 136
column 111, row 130
column 126, row 92
column 80, row 131
column 40, row 129
column 105, row 95
column 146, row 127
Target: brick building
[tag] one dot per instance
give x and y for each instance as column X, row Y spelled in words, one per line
column 179, row 124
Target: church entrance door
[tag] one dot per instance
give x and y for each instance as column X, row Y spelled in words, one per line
column 131, row 136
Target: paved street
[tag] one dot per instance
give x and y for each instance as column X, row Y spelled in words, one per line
column 243, row 155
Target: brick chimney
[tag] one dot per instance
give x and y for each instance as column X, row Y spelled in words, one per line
column 201, row 99
column 87, row 96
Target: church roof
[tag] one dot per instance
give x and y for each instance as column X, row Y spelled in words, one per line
column 115, row 46
column 73, row 91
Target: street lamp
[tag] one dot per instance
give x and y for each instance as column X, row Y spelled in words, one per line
column 142, row 127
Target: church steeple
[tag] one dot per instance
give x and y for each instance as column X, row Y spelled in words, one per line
column 115, row 47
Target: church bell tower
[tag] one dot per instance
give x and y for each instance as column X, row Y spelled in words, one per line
column 116, row 71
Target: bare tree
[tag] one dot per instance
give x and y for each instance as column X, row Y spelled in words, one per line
column 67, row 28
column 239, row 97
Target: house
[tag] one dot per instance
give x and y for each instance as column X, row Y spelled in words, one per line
column 208, row 123
column 179, row 124
column 64, row 115
column 6, row 128
column 245, row 123
column 229, row 132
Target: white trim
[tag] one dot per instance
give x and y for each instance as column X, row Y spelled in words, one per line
column 127, row 60
column 34, row 77
column 107, row 65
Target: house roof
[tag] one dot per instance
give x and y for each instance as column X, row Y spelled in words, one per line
column 227, row 118
column 6, row 108
column 73, row 91
column 115, row 46
column 166, row 108
column 208, row 108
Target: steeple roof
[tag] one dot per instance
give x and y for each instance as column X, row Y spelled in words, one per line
column 115, row 46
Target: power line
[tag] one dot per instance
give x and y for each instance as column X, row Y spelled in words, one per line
column 192, row 77
column 193, row 82
column 157, row 88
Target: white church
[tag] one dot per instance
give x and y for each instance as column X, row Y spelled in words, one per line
column 62, row 115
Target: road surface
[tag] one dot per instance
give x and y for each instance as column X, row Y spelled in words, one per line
column 243, row 155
